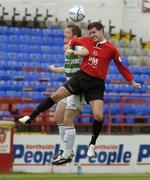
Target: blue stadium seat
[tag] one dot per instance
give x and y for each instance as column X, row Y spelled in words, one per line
column 136, row 70
column 129, row 109
column 106, row 109
column 58, row 32
column 25, row 39
column 5, row 85
column 4, row 65
column 24, row 57
column 18, row 75
column 59, row 58
column 113, row 69
column 4, row 30
column 14, row 66
column 48, row 32
column 36, row 32
column 145, row 77
column 48, row 58
column 37, row 96
column 24, row 31
column 13, row 94
column 3, row 94
column 4, row 39
column 36, row 40
column 4, row 75
column 36, row 57
column 24, row 95
column 39, row 86
column 48, row 41
column 147, row 109
column 12, row 56
column 130, row 120
column 140, row 109
column 3, row 56
column 145, row 70
column 35, row 49
column 14, row 39
column 14, row 31
column 59, row 41
column 32, row 76
column 115, row 109
column 118, row 120
column 77, row 120
column 24, row 48
column 6, row 115
column 46, row 49
column 57, row 50
column 86, row 113
column 16, row 86
column 13, row 48
column 3, row 47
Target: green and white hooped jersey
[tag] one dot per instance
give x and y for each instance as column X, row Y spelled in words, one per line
column 72, row 63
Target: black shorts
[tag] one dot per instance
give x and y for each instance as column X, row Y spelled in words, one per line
column 82, row 83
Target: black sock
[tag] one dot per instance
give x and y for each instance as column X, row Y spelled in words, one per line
column 97, row 126
column 43, row 106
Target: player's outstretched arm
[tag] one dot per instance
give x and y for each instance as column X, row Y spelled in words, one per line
column 55, row 69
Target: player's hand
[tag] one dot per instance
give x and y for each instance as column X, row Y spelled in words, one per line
column 67, row 46
column 69, row 52
column 136, row 85
column 52, row 68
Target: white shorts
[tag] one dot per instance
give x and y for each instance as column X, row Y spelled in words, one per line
column 74, row 102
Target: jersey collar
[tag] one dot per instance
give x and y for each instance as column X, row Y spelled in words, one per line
column 101, row 42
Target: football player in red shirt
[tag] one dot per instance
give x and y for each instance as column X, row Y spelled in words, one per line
column 90, row 79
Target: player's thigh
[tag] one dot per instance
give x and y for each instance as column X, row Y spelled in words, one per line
column 97, row 108
column 60, row 111
column 75, row 102
column 60, row 93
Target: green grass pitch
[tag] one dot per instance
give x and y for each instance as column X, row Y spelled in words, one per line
column 21, row 176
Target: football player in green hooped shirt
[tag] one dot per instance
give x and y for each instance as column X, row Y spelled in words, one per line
column 68, row 108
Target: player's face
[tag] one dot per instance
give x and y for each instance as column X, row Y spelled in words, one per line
column 97, row 35
column 68, row 34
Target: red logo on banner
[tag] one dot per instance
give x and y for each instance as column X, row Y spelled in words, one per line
column 146, row 5
column 2, row 136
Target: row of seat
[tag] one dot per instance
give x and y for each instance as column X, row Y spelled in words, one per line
column 4, row 30
column 24, row 48
column 30, row 40
column 32, row 57
column 25, row 69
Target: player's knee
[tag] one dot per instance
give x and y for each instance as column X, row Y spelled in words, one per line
column 98, row 116
column 56, row 97
column 68, row 123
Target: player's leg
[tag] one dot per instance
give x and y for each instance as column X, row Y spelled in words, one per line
column 70, row 131
column 59, row 119
column 97, row 108
column 60, row 93
column 71, row 112
column 69, row 138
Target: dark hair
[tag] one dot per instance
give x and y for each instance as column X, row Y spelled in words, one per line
column 97, row 25
column 75, row 30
